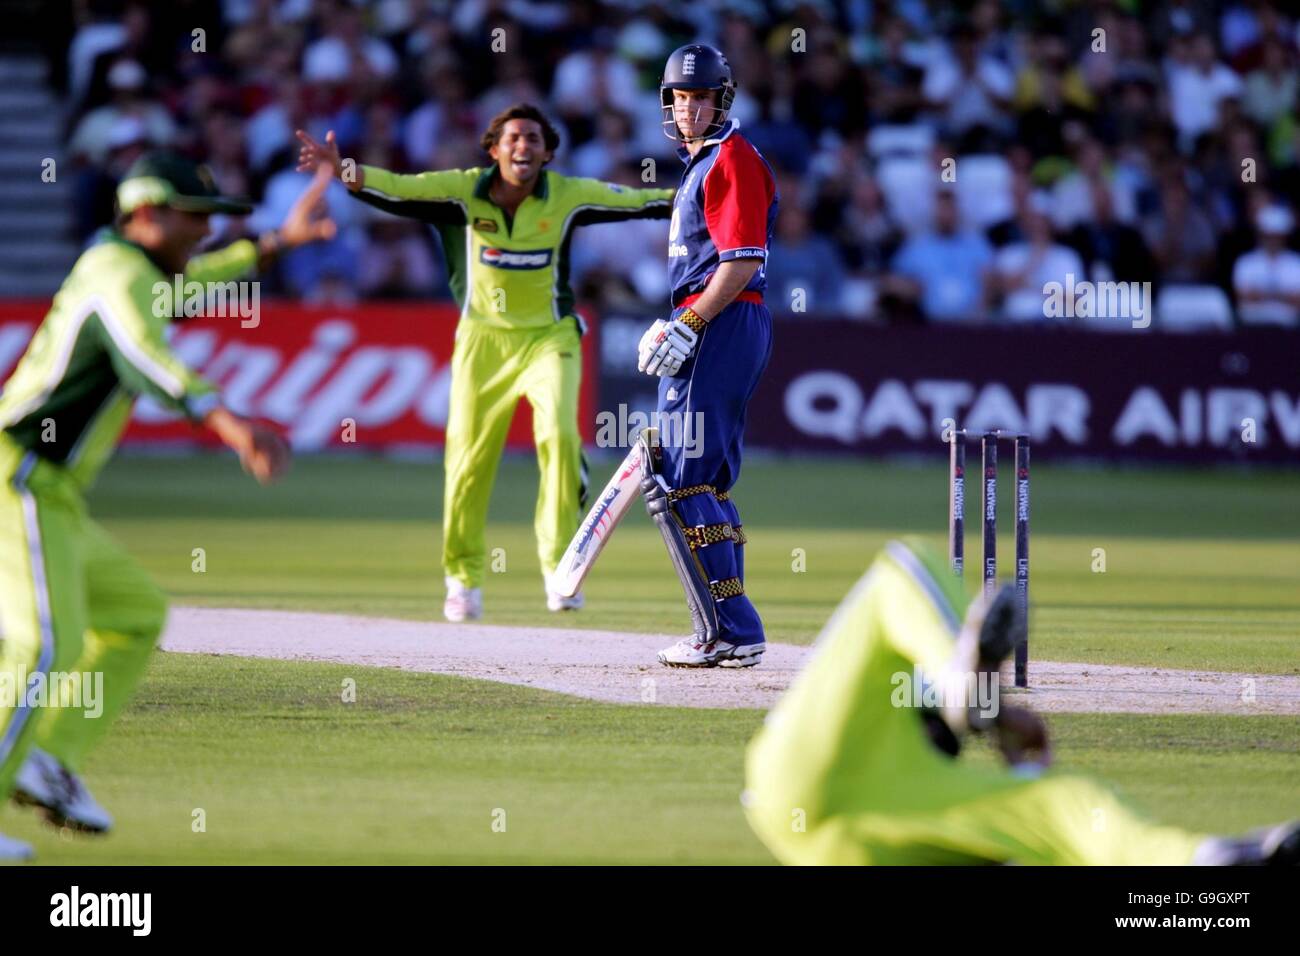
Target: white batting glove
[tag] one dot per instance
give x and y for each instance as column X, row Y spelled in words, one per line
column 672, row 346
column 648, row 341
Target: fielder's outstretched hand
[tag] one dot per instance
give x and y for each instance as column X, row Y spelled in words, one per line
column 313, row 154
column 267, row 457
column 308, row 220
column 261, row 449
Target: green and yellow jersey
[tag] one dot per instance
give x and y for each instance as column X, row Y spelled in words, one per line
column 506, row 272
column 99, row 347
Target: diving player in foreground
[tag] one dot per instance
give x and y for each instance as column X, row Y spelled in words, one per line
column 71, row 601
column 709, row 355
column 872, row 778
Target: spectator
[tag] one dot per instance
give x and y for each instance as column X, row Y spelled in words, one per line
column 1271, row 89
column 778, row 132
column 1050, row 93
column 1267, row 280
column 96, row 186
column 896, row 75
column 1261, row 24
column 611, row 148
column 1074, row 197
column 944, row 269
column 126, row 79
column 970, row 90
column 804, row 272
column 269, row 131
column 446, row 113
column 1180, row 235
column 1111, row 249
column 1022, row 270
column 398, row 262
column 346, row 53
column 1198, row 85
column 828, row 91
column 102, row 32
column 867, row 234
column 591, row 80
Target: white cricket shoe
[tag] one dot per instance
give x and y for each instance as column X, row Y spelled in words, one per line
column 463, row 603
column 15, row 850
column 558, row 602
column 689, row 652
column 46, row 783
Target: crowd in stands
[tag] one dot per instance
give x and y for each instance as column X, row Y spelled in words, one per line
column 936, row 161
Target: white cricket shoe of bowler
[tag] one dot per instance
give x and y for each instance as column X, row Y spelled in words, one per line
column 44, row 782
column 558, row 602
column 463, row 603
column 15, row 850
column 689, row 652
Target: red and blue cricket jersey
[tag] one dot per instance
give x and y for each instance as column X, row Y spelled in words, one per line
column 725, row 209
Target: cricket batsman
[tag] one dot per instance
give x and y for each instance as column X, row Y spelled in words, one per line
column 71, row 601
column 709, row 355
column 505, row 231
column 858, row 762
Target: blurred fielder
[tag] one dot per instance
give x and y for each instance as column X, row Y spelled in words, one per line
column 858, row 762
column 505, row 232
column 71, row 601
column 709, row 354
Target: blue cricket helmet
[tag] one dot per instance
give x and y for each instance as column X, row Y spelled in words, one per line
column 697, row 66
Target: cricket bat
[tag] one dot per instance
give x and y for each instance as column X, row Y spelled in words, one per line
column 601, row 520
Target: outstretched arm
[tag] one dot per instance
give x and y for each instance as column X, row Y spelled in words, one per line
column 598, row 201
column 307, row 221
column 261, row 450
column 438, row 197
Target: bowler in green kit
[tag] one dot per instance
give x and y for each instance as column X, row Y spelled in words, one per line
column 505, row 232
column 71, row 601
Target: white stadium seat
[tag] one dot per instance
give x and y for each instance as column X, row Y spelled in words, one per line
column 897, row 140
column 908, row 184
column 984, row 190
column 1186, row 308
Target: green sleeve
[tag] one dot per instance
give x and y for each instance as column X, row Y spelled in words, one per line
column 133, row 335
column 598, row 201
column 222, row 265
column 439, row 197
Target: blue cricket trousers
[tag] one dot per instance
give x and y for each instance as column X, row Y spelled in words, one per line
column 704, row 407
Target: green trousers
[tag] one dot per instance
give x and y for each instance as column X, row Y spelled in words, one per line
column 839, row 774
column 492, row 369
column 72, row 603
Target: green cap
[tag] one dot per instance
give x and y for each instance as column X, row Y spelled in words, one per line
column 165, row 179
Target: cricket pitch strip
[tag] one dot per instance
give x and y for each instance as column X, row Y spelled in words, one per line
column 620, row 667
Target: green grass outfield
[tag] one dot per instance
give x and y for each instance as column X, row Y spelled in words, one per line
column 418, row 768
column 1202, row 571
